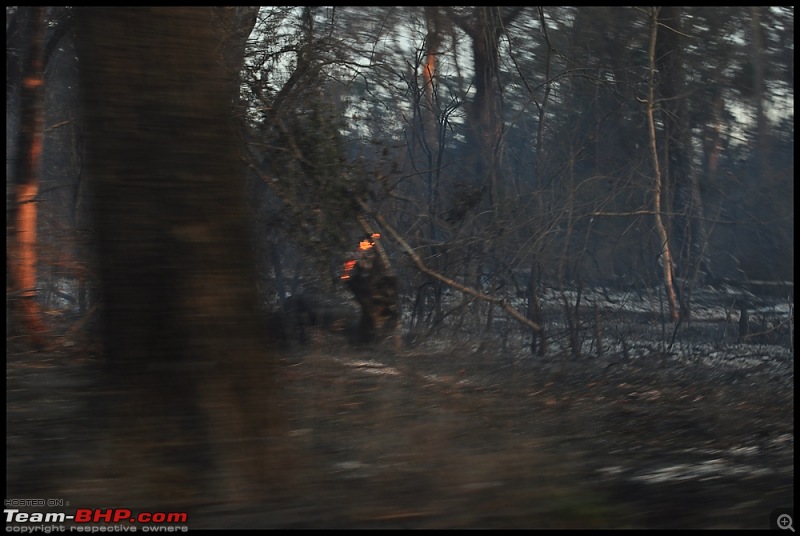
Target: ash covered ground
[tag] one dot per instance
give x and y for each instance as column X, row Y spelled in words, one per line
column 654, row 427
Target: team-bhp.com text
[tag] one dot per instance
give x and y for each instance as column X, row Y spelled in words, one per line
column 94, row 520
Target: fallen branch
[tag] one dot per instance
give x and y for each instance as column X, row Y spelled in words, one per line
column 450, row 282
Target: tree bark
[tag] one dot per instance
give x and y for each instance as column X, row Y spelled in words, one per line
column 485, row 112
column 680, row 173
column 762, row 126
column 23, row 259
column 187, row 360
column 665, row 253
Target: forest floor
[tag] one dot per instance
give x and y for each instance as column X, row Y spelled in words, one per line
column 471, row 436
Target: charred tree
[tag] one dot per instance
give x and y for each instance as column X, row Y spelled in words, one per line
column 27, row 166
column 373, row 283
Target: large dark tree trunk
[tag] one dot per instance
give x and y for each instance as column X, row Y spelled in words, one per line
column 182, row 333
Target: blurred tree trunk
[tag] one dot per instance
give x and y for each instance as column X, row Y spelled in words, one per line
column 534, row 311
column 183, row 337
column 27, row 166
column 485, row 113
column 759, row 89
column 665, row 253
column 427, row 151
column 430, row 130
column 234, row 25
column 679, row 173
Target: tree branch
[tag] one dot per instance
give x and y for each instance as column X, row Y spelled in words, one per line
column 446, row 280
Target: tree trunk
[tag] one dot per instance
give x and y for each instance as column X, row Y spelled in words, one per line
column 485, row 112
column 762, row 126
column 23, row 259
column 665, row 254
column 374, row 286
column 429, row 126
column 680, row 173
column 187, row 362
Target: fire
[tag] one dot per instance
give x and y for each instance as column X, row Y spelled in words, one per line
column 363, row 246
column 368, row 242
column 348, row 267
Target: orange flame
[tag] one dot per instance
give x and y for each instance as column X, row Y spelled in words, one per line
column 364, row 245
column 368, row 242
column 348, row 267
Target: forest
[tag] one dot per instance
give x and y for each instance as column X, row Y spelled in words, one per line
column 362, row 233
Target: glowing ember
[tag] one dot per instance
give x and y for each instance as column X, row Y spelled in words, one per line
column 363, row 246
column 348, row 267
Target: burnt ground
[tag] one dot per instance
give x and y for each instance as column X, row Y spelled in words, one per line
column 466, row 436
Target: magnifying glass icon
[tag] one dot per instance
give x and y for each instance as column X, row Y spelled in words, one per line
column 785, row 522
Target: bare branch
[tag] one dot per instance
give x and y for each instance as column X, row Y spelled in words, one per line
column 450, row 282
